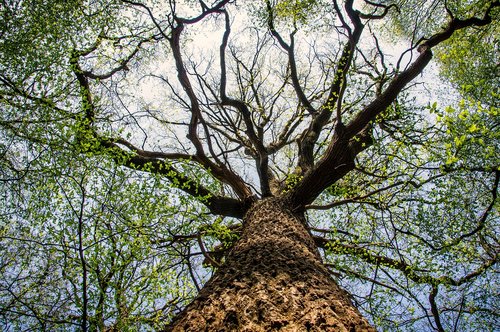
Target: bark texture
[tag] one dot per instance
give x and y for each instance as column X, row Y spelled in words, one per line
column 272, row 280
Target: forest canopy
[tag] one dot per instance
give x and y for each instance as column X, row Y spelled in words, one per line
column 135, row 135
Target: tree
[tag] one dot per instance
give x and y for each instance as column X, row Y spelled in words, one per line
column 254, row 166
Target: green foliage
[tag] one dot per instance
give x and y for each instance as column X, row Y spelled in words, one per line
column 420, row 19
column 221, row 232
column 291, row 14
column 426, row 184
column 470, row 60
column 298, row 10
column 87, row 215
column 471, row 135
column 90, row 235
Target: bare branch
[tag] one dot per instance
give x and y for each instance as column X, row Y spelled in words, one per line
column 219, row 170
column 292, row 63
column 89, row 140
column 457, row 24
column 374, row 16
column 434, row 308
column 262, row 159
column 150, row 13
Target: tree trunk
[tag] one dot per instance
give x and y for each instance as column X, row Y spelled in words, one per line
column 272, row 280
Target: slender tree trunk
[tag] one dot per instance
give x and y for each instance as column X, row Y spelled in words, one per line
column 272, row 280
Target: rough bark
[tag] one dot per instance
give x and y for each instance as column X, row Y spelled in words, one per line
column 273, row 279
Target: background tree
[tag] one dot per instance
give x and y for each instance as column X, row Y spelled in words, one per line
column 251, row 158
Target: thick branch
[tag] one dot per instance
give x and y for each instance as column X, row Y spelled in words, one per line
column 408, row 270
column 216, row 8
column 434, row 308
column 311, row 135
column 218, row 169
column 153, row 154
column 457, row 24
column 387, row 97
column 338, row 160
column 216, row 204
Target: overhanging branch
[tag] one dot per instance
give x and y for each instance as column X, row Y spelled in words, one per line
column 89, row 141
column 410, row 271
column 216, row 204
column 347, row 142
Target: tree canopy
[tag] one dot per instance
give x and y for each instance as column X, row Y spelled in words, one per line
column 135, row 135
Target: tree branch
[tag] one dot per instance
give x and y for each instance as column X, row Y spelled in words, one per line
column 261, row 159
column 88, row 140
column 434, row 308
column 338, row 159
column 218, row 169
column 292, row 63
column 216, row 204
column 311, row 135
column 457, row 24
column 412, row 273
